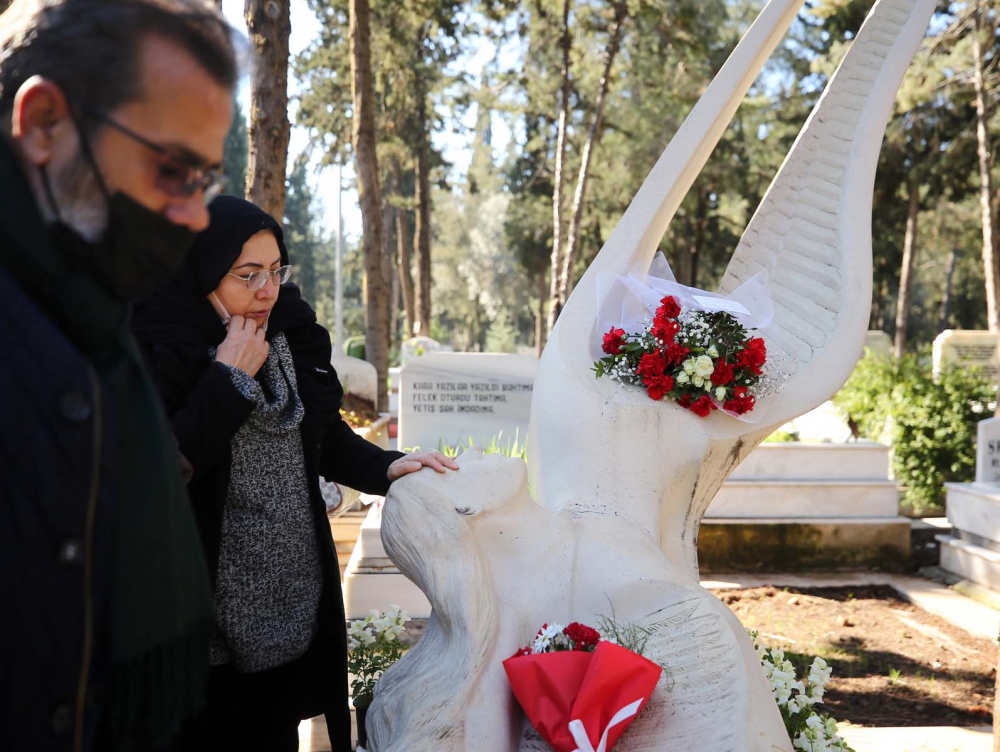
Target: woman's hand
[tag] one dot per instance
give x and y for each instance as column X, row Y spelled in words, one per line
column 413, row 462
column 244, row 346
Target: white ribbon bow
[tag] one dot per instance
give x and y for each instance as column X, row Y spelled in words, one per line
column 580, row 733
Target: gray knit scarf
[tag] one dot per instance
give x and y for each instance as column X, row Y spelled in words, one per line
column 269, row 580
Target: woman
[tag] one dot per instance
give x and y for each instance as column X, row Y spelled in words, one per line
column 244, row 371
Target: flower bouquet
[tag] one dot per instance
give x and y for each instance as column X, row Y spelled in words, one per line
column 580, row 691
column 703, row 360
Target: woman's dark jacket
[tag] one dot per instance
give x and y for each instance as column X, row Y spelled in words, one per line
column 206, row 410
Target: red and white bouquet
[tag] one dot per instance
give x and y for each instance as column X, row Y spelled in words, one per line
column 580, row 691
column 701, row 359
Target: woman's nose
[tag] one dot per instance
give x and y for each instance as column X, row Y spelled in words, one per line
column 269, row 290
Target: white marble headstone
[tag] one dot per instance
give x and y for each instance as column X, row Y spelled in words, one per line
column 452, row 397
column 967, row 347
column 878, row 342
column 988, row 451
column 415, row 347
column 358, row 377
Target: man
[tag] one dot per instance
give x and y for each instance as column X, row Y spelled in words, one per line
column 113, row 115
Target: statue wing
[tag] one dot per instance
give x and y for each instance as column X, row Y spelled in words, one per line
column 811, row 235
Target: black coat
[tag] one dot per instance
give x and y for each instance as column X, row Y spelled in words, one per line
column 48, row 432
column 207, row 410
column 88, row 469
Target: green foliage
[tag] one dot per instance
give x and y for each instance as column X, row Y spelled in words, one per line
column 511, row 447
column 502, row 334
column 931, row 423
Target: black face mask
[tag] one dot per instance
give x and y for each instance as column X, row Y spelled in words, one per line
column 140, row 250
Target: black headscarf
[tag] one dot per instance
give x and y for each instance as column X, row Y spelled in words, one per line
column 177, row 324
column 180, row 311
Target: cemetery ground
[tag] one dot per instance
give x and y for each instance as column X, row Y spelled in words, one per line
column 894, row 664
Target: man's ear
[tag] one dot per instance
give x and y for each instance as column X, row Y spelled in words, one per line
column 40, row 119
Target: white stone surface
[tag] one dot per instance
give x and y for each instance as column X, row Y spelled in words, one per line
column 967, row 347
column 455, row 397
column 621, row 483
column 417, row 347
column 918, row 738
column 974, row 508
column 790, row 460
column 988, row 451
column 822, row 424
column 976, row 563
column 802, row 500
column 878, row 342
column 357, row 376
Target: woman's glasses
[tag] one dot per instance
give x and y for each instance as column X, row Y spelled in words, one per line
column 256, row 280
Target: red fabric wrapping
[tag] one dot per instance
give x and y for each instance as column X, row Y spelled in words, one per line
column 556, row 688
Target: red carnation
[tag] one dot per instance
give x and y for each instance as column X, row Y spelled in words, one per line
column 669, row 307
column 675, row 353
column 614, row 341
column 522, row 651
column 685, row 401
column 665, row 329
column 740, row 405
column 652, row 369
column 582, row 635
column 722, row 374
column 753, row 356
column 703, row 406
column 657, row 388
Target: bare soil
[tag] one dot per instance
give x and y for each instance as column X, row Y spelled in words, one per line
column 893, row 664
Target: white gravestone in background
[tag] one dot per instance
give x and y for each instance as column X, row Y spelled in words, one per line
column 451, row 398
column 972, row 550
column 967, row 347
column 358, row 377
column 416, row 347
column 878, row 342
column 988, row 451
column 620, row 483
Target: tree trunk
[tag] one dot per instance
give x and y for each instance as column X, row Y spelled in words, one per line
column 366, row 162
column 991, row 270
column 946, row 298
column 700, row 228
column 268, row 25
column 906, row 273
column 573, row 240
column 557, row 178
column 422, row 234
column 404, row 242
column 388, row 267
column 540, row 315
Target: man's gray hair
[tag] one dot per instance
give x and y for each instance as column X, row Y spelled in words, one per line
column 91, row 48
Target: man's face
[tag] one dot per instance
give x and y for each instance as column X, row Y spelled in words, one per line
column 180, row 109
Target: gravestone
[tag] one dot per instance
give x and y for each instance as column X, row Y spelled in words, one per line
column 968, row 348
column 972, row 550
column 619, row 483
column 878, row 342
column 416, row 347
column 358, row 377
column 451, row 398
column 988, row 451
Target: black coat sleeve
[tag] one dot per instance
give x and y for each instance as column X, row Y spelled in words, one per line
column 349, row 459
column 204, row 406
column 209, row 419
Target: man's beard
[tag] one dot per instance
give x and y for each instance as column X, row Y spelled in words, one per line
column 79, row 201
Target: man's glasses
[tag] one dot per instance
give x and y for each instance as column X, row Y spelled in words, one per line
column 256, row 280
column 176, row 176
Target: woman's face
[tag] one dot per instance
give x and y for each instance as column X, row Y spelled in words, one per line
column 260, row 252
